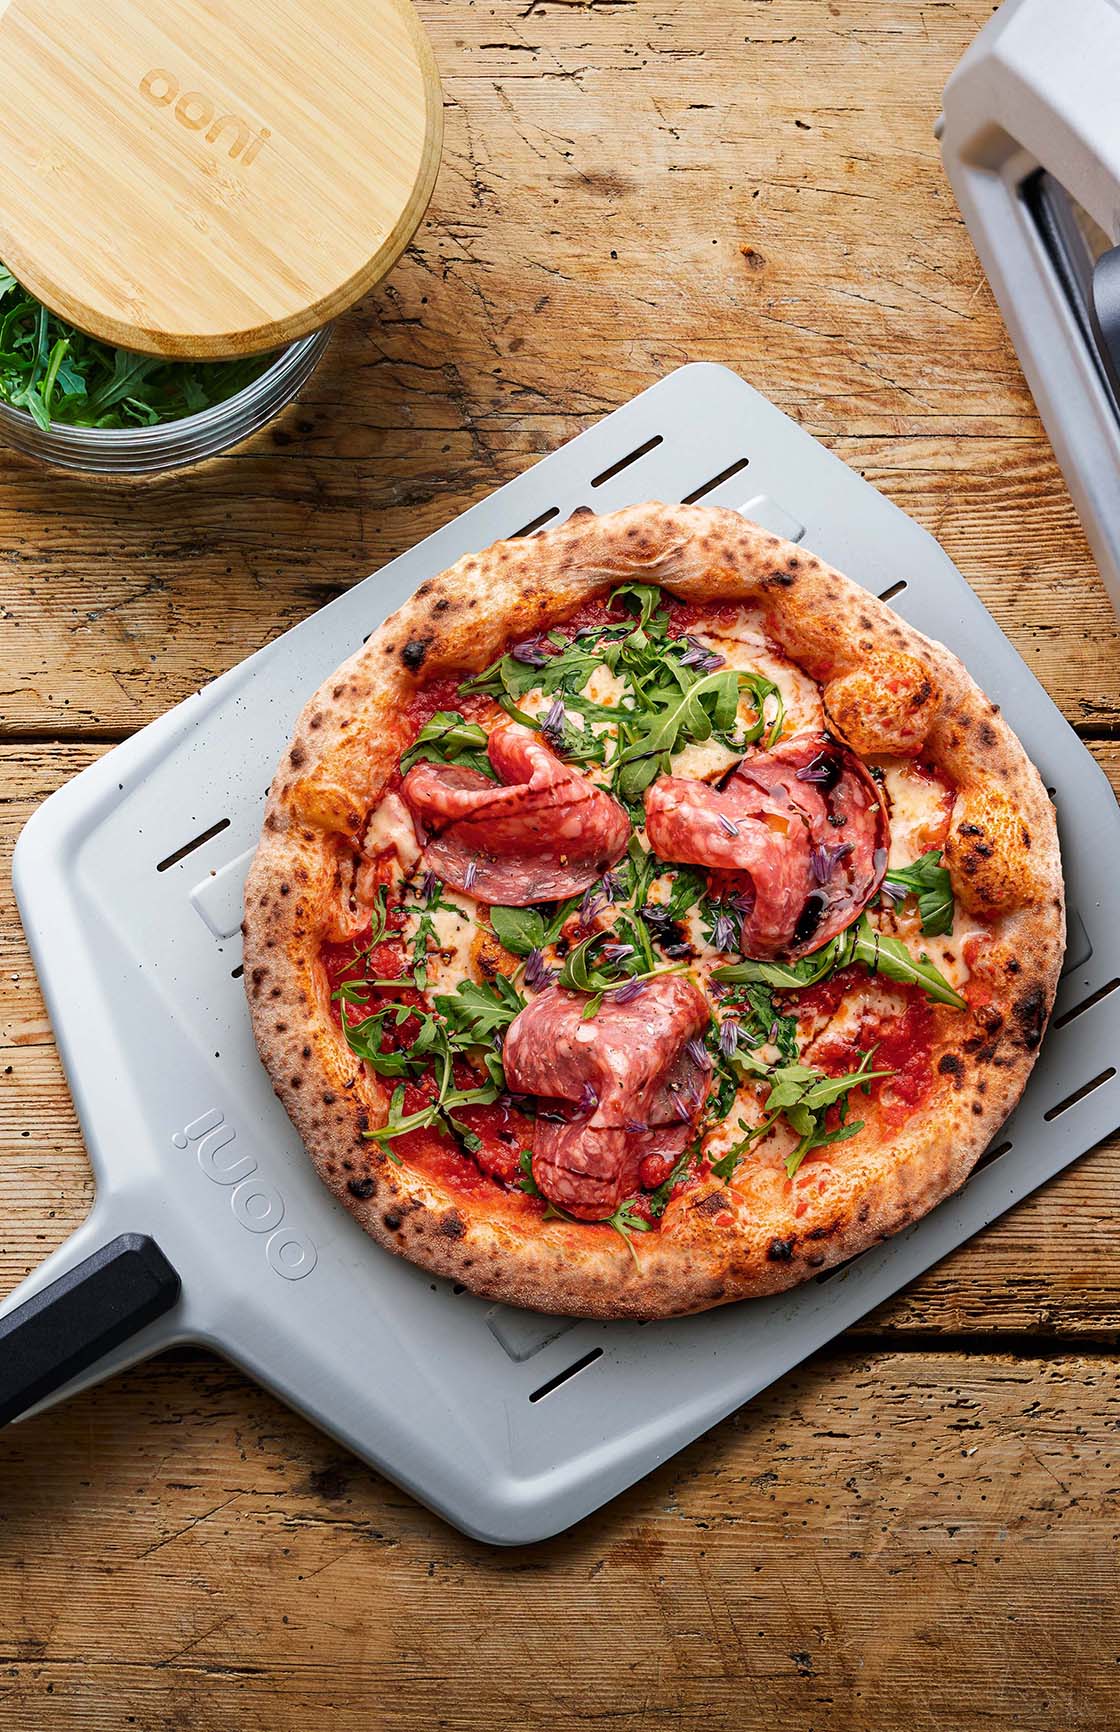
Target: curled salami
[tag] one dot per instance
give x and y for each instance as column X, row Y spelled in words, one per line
column 543, row 832
column 804, row 826
column 613, row 1088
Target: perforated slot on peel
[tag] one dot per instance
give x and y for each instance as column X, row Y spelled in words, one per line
column 1079, row 1095
column 189, row 847
column 625, row 462
column 892, row 589
column 537, row 523
column 992, row 1154
column 563, row 1376
column 1086, row 1003
column 236, row 973
column 716, row 481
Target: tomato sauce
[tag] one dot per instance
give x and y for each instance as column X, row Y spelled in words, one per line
column 903, row 1044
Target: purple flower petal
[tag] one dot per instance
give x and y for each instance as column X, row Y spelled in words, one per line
column 610, row 886
column 590, row 906
column 699, row 655
column 626, row 994
column 725, row 935
column 553, row 725
column 428, row 886
column 825, row 857
column 616, row 952
column 635, row 1126
column 893, row 892
column 728, row 1035
column 588, row 1099
column 470, row 874
column 820, row 771
column 727, row 825
column 537, row 973
column 698, row 1053
column 530, row 653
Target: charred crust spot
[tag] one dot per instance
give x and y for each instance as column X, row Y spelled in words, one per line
column 780, row 1251
column 329, row 1097
column 951, row 1064
column 363, row 1120
column 297, row 1082
column 1030, row 1014
column 1012, row 967
column 285, row 889
column 362, row 1188
column 425, row 587
column 315, row 721
column 337, row 692
column 413, row 653
column 296, row 757
column 713, row 1204
column 988, row 734
column 452, row 1226
column 969, row 830
column 442, row 605
column 307, row 1052
column 391, row 1221
column 977, row 1108
column 864, row 623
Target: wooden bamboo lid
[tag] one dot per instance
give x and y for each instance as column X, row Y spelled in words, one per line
column 211, row 178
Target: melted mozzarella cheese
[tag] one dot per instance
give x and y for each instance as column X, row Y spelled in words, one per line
column 703, row 762
column 743, row 645
column 451, row 949
column 919, row 810
column 390, row 829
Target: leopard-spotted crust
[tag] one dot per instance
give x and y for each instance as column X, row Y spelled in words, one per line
column 716, row 1243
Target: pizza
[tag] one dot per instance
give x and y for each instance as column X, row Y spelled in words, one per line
column 646, row 918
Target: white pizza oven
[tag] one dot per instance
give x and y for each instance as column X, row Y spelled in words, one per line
column 1030, row 137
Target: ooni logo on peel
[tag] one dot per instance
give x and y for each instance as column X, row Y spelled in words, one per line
column 258, row 1206
column 195, row 111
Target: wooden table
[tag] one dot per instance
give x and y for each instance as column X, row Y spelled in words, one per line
column 918, row 1529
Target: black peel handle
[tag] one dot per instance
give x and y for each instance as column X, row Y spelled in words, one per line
column 66, row 1327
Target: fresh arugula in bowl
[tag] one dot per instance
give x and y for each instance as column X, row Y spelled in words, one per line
column 57, row 374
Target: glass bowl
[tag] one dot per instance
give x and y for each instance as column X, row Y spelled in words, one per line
column 170, row 444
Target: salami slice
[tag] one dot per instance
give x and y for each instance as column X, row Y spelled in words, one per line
column 614, row 1088
column 804, row 825
column 545, row 831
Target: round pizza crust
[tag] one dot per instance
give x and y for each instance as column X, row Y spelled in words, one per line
column 717, row 1242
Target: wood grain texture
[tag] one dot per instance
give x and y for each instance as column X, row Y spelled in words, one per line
column 910, row 1540
column 918, row 1530
column 210, row 181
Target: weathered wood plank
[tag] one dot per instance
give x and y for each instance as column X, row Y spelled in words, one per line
column 752, row 184
column 1050, row 1267
column 883, row 1542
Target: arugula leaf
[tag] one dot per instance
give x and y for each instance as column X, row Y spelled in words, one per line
column 649, row 598
column 658, row 1200
column 519, row 930
column 802, row 1095
column 789, row 976
column 890, row 956
column 860, row 943
column 59, row 374
column 475, row 1012
column 929, row 881
column 449, row 739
